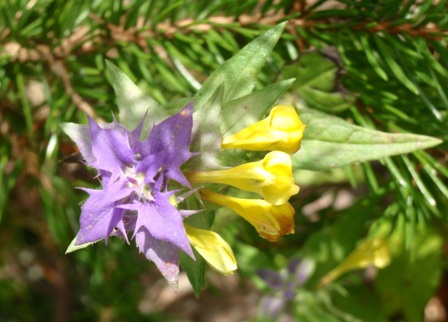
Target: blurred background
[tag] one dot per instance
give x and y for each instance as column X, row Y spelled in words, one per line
column 379, row 64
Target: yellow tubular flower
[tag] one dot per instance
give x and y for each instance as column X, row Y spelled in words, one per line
column 271, row 177
column 213, row 249
column 270, row 221
column 282, row 130
column 371, row 252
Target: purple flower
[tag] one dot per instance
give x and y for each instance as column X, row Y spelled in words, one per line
column 135, row 197
column 284, row 285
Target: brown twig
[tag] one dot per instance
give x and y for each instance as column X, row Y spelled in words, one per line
column 85, row 40
column 59, row 69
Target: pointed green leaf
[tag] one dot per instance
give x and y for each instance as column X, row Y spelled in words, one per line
column 195, row 270
column 317, row 83
column 133, row 103
column 207, row 138
column 249, row 109
column 310, row 310
column 330, row 142
column 238, row 74
column 73, row 248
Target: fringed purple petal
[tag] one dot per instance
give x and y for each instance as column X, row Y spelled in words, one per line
column 110, row 147
column 164, row 254
column 177, row 175
column 170, row 141
column 134, row 135
column 163, row 221
column 121, row 231
column 99, row 214
column 150, row 166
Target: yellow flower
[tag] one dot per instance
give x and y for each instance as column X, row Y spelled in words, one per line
column 271, row 177
column 371, row 252
column 213, row 249
column 270, row 221
column 282, row 130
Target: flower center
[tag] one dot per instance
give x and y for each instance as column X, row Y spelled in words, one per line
column 136, row 181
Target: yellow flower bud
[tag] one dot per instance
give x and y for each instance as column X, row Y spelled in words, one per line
column 270, row 221
column 213, row 249
column 282, row 130
column 271, row 177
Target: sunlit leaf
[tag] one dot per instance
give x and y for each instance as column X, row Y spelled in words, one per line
column 238, row 74
column 331, row 142
column 133, row 103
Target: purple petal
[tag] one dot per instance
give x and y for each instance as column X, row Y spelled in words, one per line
column 162, row 220
column 129, row 221
column 164, row 254
column 272, row 306
column 170, row 142
column 177, row 175
column 290, row 292
column 303, row 271
column 110, row 146
column 272, row 278
column 292, row 265
column 106, row 176
column 121, row 231
column 99, row 214
column 134, row 135
column 149, row 165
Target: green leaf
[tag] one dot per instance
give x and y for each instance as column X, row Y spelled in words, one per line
column 175, row 105
column 309, row 310
column 249, row 109
column 207, row 137
column 73, row 248
column 360, row 303
column 133, row 103
column 195, row 270
column 317, row 83
column 239, row 73
column 331, row 142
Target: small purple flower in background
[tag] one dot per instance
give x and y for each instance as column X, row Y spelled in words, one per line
column 283, row 285
column 135, row 196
